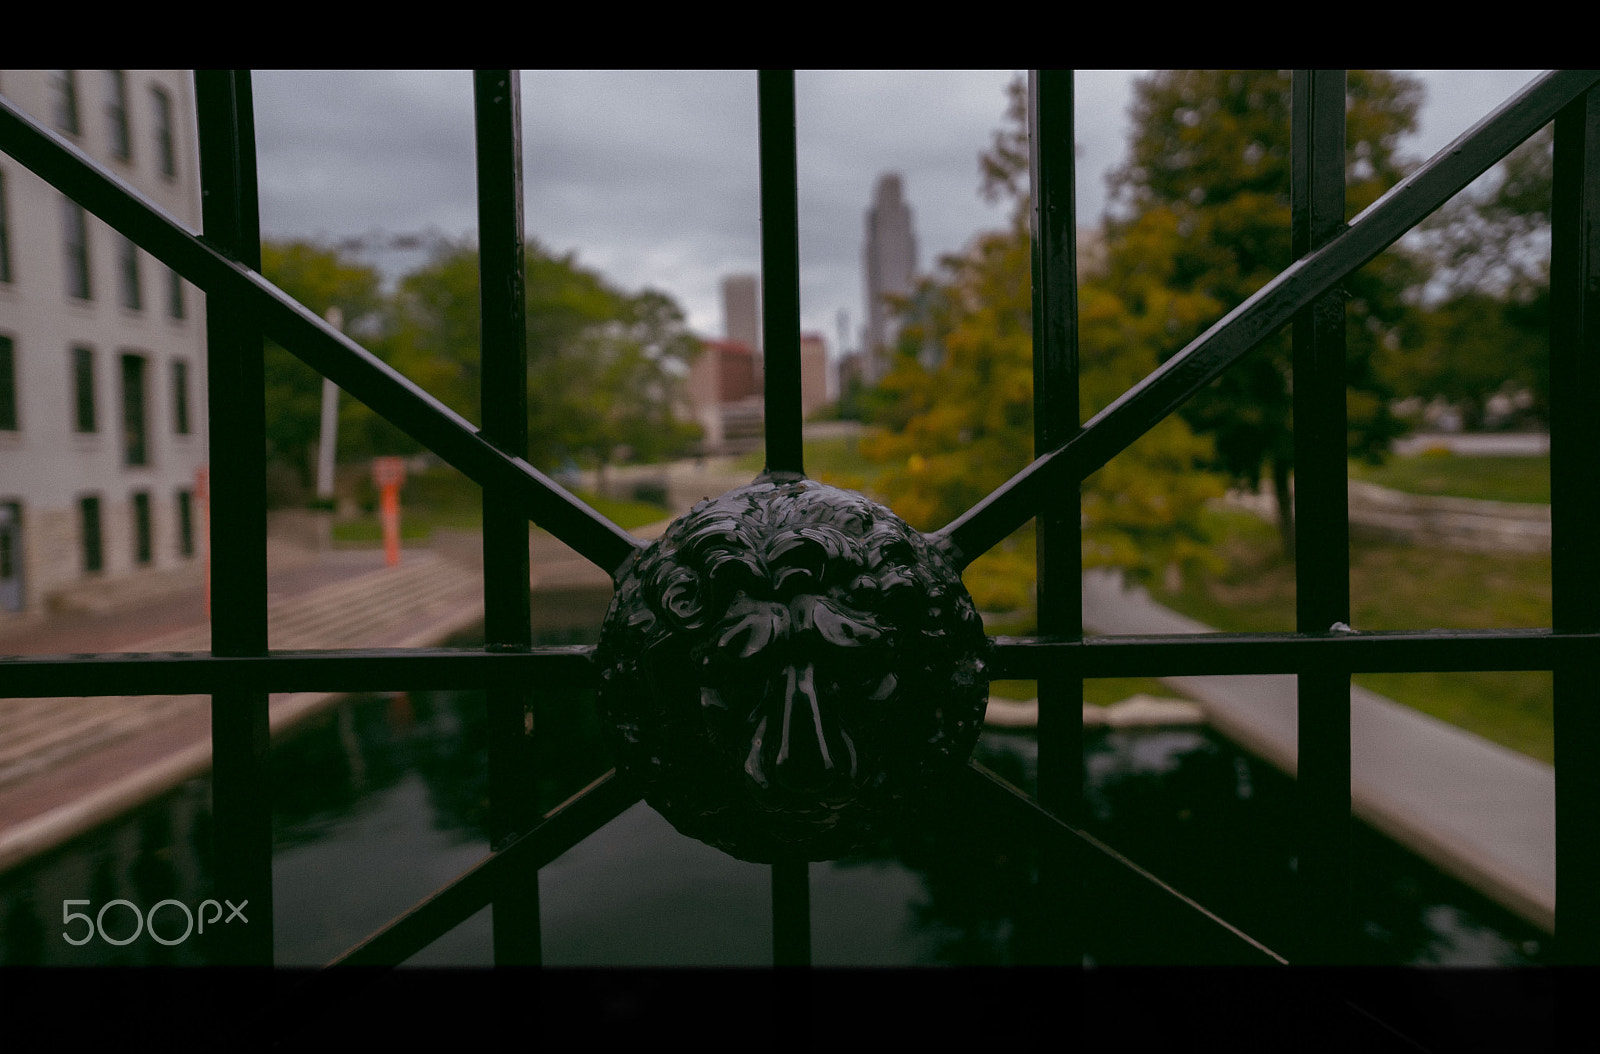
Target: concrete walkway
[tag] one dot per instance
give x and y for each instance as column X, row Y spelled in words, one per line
column 68, row 764
column 1475, row 809
column 1476, row 444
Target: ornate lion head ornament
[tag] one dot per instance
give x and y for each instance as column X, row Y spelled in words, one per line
column 789, row 668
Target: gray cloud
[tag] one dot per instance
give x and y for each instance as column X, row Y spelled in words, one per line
column 651, row 177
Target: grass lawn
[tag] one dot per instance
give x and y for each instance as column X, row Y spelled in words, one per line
column 1397, row 587
column 835, row 461
column 1517, row 479
column 1100, row 692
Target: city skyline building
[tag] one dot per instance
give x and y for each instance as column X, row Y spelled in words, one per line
column 741, row 310
column 889, row 266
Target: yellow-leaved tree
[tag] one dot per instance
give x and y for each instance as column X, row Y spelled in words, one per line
column 959, row 420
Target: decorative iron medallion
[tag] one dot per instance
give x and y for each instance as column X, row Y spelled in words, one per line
column 790, row 669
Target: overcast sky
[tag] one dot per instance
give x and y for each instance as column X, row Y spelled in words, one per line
column 651, row 177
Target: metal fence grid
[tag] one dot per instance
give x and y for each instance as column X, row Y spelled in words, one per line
column 240, row 670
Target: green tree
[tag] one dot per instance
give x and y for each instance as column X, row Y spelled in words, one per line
column 320, row 278
column 605, row 367
column 1474, row 346
column 1202, row 221
column 1484, row 324
column 962, row 426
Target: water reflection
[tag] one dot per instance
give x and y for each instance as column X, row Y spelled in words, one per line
column 385, row 798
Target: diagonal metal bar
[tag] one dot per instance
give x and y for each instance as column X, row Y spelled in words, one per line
column 330, row 991
column 447, row 907
column 1092, row 851
column 322, row 347
column 1269, row 310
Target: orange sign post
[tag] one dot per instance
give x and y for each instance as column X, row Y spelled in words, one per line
column 388, row 473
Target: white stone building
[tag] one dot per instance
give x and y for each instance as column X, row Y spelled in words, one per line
column 102, row 350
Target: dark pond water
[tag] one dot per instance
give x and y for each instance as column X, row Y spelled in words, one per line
column 383, row 800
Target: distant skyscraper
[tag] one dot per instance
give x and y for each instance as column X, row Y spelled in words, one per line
column 741, row 310
column 891, row 263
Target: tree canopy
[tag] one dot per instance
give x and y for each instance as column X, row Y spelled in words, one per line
column 1483, row 327
column 605, row 367
column 321, row 279
column 961, row 426
column 1201, row 221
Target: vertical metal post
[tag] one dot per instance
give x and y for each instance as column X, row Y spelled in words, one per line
column 513, row 796
column 1322, row 529
column 1058, row 525
column 780, row 271
column 241, row 792
column 791, row 913
column 780, row 335
column 1575, row 518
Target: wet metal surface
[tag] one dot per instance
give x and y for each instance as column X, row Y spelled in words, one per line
column 789, row 670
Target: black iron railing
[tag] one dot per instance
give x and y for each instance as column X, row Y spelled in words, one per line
column 240, row 670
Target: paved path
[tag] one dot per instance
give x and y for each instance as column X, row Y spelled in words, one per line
column 1475, row 809
column 1476, row 444
column 67, row 764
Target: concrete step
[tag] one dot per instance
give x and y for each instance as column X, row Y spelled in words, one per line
column 383, row 608
column 360, row 609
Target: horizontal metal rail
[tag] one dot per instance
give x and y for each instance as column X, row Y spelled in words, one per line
column 326, row 350
column 1207, row 654
column 1156, row 655
column 364, row 670
column 1271, row 308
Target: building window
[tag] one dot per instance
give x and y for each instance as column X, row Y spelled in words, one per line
column 10, row 556
column 141, row 528
column 75, row 239
column 83, row 400
column 166, row 152
column 128, row 275
column 117, row 114
column 185, row 523
column 89, row 521
column 180, row 397
column 5, row 232
column 66, row 86
column 8, row 385
column 135, row 450
column 175, row 306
